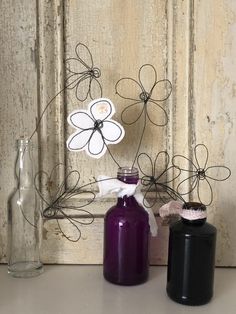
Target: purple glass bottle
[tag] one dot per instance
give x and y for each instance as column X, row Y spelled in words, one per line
column 126, row 237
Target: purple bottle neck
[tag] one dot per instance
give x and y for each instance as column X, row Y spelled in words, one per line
column 129, row 176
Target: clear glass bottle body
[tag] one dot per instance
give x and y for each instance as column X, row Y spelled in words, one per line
column 126, row 238
column 191, row 261
column 24, row 219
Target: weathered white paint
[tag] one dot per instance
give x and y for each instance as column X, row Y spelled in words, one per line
column 18, row 92
column 122, row 36
column 89, row 249
column 51, row 82
column 214, row 114
column 190, row 42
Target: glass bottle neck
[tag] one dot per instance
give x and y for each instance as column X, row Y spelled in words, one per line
column 24, row 165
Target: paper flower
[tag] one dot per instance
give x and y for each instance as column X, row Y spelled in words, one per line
column 83, row 75
column 155, row 177
column 95, row 128
column 145, row 97
column 199, row 174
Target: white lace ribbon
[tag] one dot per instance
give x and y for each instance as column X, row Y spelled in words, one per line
column 176, row 208
column 192, row 214
column 109, row 185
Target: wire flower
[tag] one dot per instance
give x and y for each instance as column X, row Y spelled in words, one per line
column 155, row 177
column 55, row 199
column 95, row 128
column 83, row 75
column 199, row 174
column 145, row 96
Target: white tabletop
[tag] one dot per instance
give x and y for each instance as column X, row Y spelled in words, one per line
column 82, row 290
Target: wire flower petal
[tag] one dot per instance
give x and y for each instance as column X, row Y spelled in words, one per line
column 156, row 114
column 75, row 67
column 218, row 173
column 145, row 165
column 150, row 196
column 186, row 186
column 84, row 55
column 161, row 91
column 101, row 109
column 147, row 77
column 95, row 88
column 205, row 192
column 79, row 140
column 80, row 120
column 83, row 87
column 128, row 88
column 201, row 156
column 96, row 146
column 132, row 113
column 112, row 131
column 71, row 81
column 183, row 163
column 161, row 161
column 69, row 229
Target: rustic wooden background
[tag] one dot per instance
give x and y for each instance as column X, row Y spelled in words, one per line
column 190, row 42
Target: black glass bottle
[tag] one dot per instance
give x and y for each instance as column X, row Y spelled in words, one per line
column 191, row 258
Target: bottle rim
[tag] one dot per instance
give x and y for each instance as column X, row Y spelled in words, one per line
column 127, row 171
column 22, row 140
column 23, row 143
column 194, row 206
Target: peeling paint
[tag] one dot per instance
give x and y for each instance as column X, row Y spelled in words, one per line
column 45, row 233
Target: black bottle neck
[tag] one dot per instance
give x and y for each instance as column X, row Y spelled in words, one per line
column 196, row 222
column 193, row 213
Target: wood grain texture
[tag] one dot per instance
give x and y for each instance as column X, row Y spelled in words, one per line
column 122, row 36
column 192, row 43
column 89, row 249
column 179, row 70
column 51, row 84
column 18, row 90
column 215, row 110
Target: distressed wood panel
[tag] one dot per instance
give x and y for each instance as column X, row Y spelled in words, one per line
column 89, row 250
column 170, row 41
column 214, row 116
column 180, row 29
column 122, row 36
column 51, row 83
column 190, row 42
column 18, row 90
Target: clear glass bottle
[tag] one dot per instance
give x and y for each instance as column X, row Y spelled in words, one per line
column 191, row 259
column 126, row 237
column 24, row 218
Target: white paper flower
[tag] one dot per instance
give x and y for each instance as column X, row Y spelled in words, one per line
column 95, row 128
